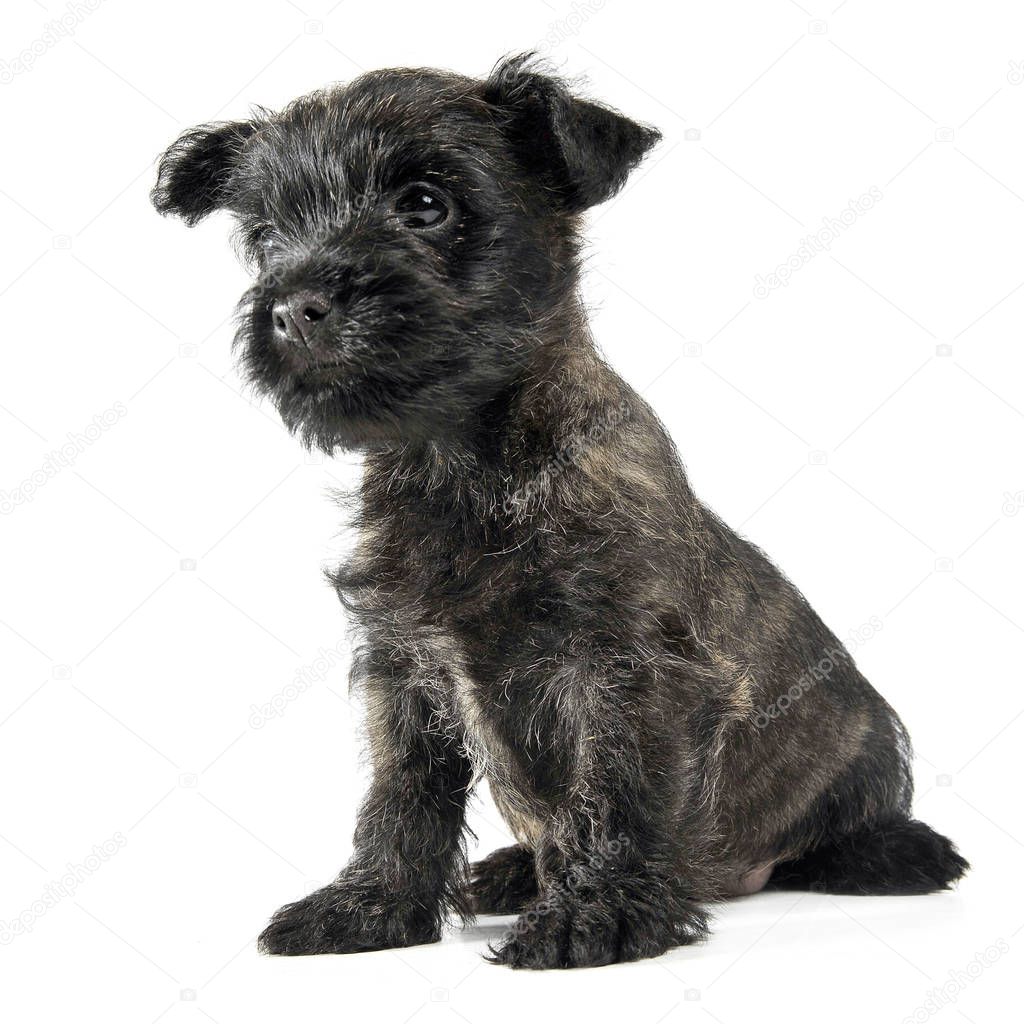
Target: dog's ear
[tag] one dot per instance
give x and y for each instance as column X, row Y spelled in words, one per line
column 580, row 150
column 195, row 173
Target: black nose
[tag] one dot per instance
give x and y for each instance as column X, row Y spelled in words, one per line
column 296, row 316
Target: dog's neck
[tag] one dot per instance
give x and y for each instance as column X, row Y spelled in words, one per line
column 563, row 389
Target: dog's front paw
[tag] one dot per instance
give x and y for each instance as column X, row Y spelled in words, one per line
column 615, row 925
column 351, row 916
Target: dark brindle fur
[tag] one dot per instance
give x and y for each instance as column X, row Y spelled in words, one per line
column 540, row 597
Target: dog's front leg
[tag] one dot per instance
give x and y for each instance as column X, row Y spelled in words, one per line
column 611, row 865
column 408, row 866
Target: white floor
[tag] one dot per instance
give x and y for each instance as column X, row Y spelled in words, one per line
column 772, row 956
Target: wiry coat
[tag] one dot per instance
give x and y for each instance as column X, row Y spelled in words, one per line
column 541, row 600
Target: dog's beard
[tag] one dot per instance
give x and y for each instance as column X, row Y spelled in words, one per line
column 394, row 370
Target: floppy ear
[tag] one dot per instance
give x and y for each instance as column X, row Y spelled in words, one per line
column 194, row 177
column 583, row 151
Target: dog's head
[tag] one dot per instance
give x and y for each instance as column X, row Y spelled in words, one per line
column 414, row 233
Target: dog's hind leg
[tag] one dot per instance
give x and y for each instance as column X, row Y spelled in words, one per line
column 503, row 882
column 859, row 838
column 894, row 856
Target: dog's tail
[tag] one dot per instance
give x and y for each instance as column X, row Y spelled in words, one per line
column 897, row 856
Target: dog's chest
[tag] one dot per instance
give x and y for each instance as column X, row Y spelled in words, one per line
column 460, row 623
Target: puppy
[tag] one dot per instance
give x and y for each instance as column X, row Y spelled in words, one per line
column 541, row 600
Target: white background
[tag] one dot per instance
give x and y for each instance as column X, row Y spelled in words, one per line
column 864, row 424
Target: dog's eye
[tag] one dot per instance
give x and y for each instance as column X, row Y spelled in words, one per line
column 418, row 207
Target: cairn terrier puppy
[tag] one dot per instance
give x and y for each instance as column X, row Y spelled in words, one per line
column 540, row 598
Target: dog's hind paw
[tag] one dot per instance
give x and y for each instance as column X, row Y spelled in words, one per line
column 504, row 882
